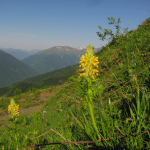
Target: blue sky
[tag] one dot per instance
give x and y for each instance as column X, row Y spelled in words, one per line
column 41, row 24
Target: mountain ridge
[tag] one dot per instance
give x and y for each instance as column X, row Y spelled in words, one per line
column 54, row 58
column 20, row 53
column 13, row 70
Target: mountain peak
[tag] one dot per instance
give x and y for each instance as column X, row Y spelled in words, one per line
column 63, row 45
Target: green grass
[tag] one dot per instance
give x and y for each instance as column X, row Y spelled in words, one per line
column 121, row 104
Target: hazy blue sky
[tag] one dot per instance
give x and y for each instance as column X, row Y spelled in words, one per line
column 41, row 24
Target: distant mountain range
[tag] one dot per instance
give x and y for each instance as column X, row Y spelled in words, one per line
column 13, row 70
column 54, row 58
column 19, row 53
column 22, row 54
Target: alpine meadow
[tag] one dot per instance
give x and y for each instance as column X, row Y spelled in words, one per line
column 101, row 103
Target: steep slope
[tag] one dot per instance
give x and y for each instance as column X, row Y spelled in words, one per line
column 54, row 58
column 12, row 70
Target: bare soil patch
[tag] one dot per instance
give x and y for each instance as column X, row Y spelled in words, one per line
column 43, row 96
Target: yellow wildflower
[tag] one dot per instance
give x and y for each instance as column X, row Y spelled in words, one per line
column 83, row 68
column 95, row 71
column 96, row 58
column 89, row 63
column 93, row 77
column 82, row 64
column 81, row 74
column 83, row 58
column 13, row 109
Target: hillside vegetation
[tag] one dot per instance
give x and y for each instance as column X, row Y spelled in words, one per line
column 52, row 78
column 13, row 70
column 107, row 111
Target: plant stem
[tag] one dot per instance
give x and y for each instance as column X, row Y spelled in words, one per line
column 91, row 110
column 137, row 97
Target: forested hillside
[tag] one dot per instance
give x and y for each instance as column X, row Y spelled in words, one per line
column 13, row 70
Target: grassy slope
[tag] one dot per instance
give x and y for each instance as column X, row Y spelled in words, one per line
column 119, row 61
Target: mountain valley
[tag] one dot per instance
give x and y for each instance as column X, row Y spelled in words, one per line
column 13, row 70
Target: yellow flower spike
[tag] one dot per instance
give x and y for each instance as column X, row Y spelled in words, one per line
column 88, row 63
column 13, row 109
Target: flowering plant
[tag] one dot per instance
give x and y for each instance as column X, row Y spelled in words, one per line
column 89, row 64
column 13, row 109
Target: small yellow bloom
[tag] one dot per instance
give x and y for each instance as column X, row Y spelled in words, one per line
column 83, row 68
column 96, row 59
column 95, row 71
column 82, row 58
column 81, row 74
column 82, row 64
column 95, row 64
column 93, row 77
